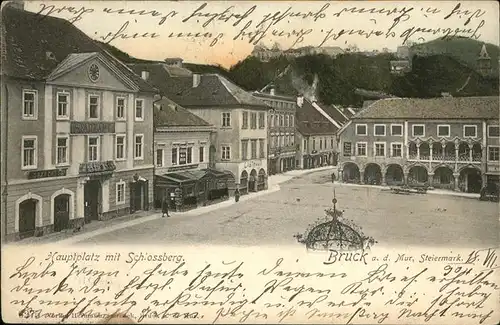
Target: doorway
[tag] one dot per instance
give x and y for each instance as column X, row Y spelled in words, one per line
column 27, row 218
column 139, row 196
column 61, row 212
column 92, row 195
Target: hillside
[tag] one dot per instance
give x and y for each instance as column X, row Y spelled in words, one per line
column 464, row 50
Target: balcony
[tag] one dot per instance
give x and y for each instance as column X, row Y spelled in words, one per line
column 451, row 152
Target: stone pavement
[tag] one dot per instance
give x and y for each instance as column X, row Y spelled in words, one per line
column 99, row 227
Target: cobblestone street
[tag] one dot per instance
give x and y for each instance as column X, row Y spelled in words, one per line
column 273, row 219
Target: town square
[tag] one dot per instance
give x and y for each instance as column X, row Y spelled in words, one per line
column 102, row 146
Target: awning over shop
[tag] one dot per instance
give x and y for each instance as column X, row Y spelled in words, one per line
column 189, row 177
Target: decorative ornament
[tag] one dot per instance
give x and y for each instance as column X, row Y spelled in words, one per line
column 94, row 72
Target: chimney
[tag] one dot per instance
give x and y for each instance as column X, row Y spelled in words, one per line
column 18, row 4
column 272, row 91
column 196, row 80
column 145, row 75
column 300, row 100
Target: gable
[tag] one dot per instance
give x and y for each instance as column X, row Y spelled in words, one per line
column 79, row 76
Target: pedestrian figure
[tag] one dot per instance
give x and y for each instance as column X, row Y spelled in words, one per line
column 333, row 177
column 164, row 208
column 237, row 195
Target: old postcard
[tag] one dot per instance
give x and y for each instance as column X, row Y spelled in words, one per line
column 295, row 162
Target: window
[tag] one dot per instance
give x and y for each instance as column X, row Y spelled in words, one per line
column 30, row 104
column 62, row 150
column 379, row 129
column 361, row 129
column 286, row 141
column 396, row 129
column 93, row 149
column 93, row 106
column 253, row 120
column 120, row 192
column 493, row 131
column 174, row 156
column 320, row 144
column 443, row 130
column 262, row 151
column 292, row 124
column 292, row 139
column 202, row 154
column 159, row 158
column 281, row 119
column 120, row 108
column 361, row 149
column 139, row 146
column 262, row 121
column 226, row 153
column 189, row 152
column 379, row 149
column 396, row 150
column 276, row 120
column 470, row 131
column 271, row 119
column 347, row 149
column 29, row 152
column 120, row 147
column 493, row 153
column 331, row 143
column 286, row 120
column 244, row 149
column 253, row 152
column 245, row 120
column 418, row 130
column 314, row 144
column 62, row 105
column 139, row 109
column 305, row 145
column 226, row 119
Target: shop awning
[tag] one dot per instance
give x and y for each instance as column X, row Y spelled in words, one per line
column 189, row 176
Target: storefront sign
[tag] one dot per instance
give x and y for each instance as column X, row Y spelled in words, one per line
column 97, row 167
column 92, row 127
column 252, row 163
column 178, row 168
column 46, row 173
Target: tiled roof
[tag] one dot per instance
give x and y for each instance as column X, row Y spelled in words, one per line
column 171, row 114
column 178, row 71
column 335, row 113
column 433, row 108
column 213, row 89
column 269, row 96
column 35, row 45
column 311, row 122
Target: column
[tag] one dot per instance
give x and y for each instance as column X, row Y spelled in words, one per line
column 383, row 179
column 430, row 178
column 443, row 152
column 431, row 145
column 80, row 203
column 418, row 151
column 456, row 177
column 470, row 152
column 405, row 177
column 456, row 156
column 105, row 196
column 362, row 176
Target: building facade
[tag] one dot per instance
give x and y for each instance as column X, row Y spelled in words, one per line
column 76, row 129
column 448, row 143
column 239, row 143
column 316, row 135
column 281, row 131
column 184, row 174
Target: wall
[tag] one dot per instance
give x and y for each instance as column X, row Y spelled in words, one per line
column 166, row 140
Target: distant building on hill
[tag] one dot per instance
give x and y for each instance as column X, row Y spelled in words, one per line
column 484, row 62
column 265, row 54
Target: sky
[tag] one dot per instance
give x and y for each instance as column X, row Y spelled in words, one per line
column 224, row 32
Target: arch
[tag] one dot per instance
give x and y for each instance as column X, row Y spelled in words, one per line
column 394, row 174
column 252, row 181
column 372, row 174
column 261, row 180
column 418, row 174
column 470, row 179
column 71, row 203
column 443, row 177
column 39, row 210
column 350, row 172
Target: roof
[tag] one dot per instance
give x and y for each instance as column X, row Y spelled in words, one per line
column 171, row 114
column 177, row 71
column 433, row 108
column 335, row 113
column 311, row 122
column 35, row 45
column 213, row 89
column 269, row 96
